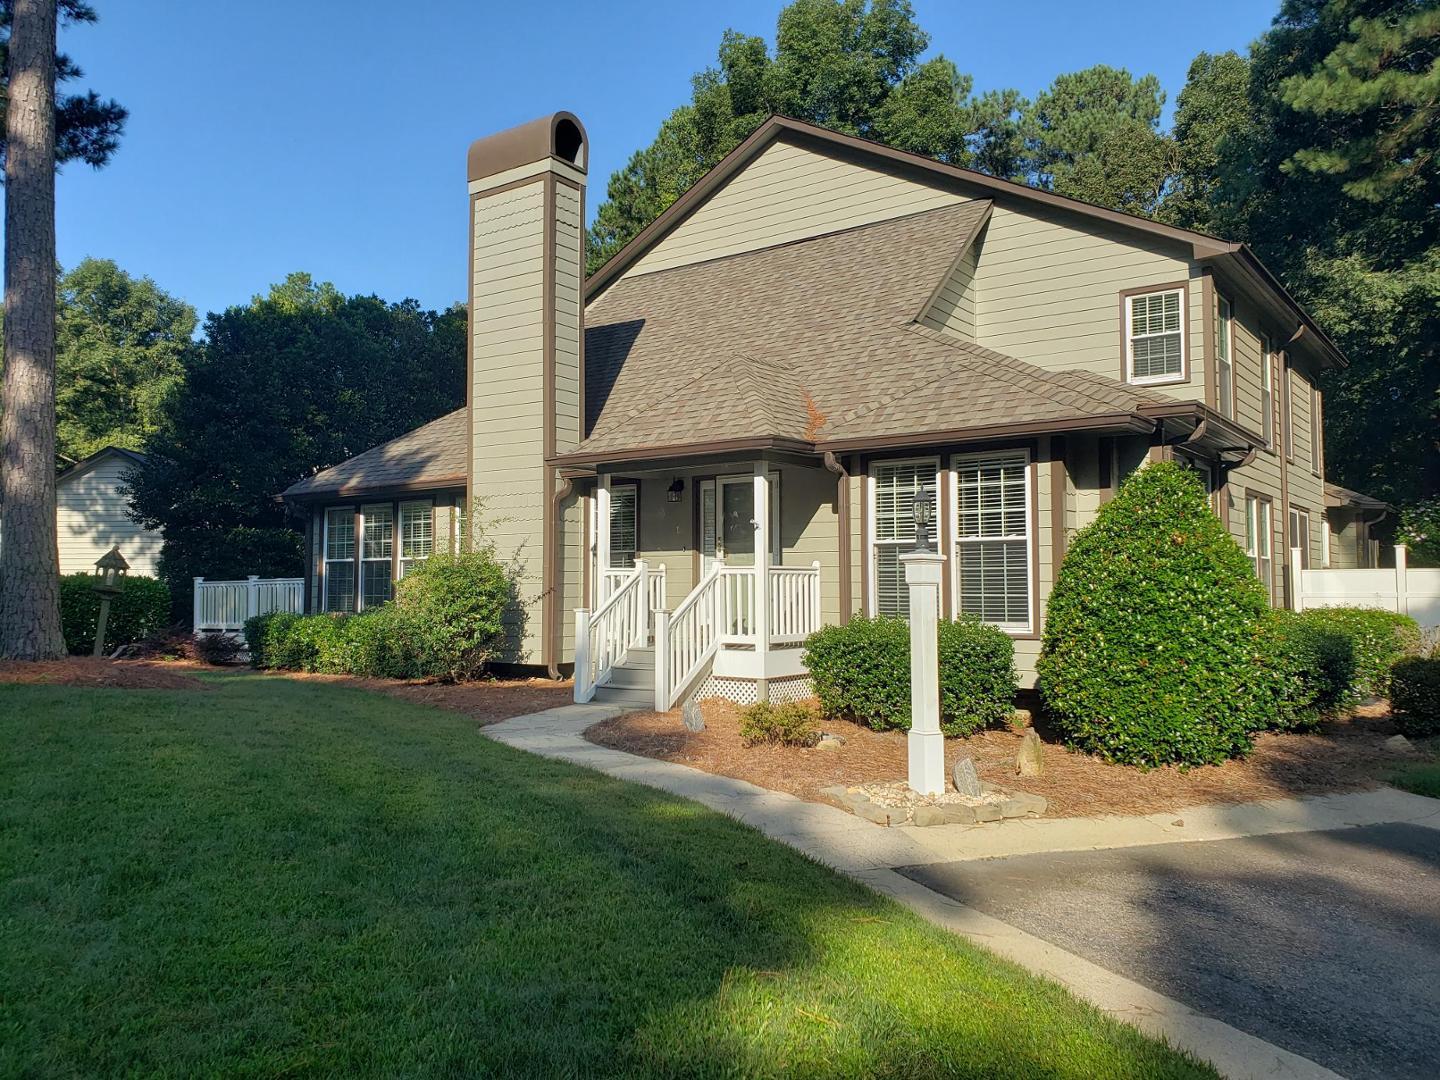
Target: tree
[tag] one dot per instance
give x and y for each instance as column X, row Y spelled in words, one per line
column 1095, row 135
column 296, row 381
column 121, row 349
column 1213, row 119
column 850, row 65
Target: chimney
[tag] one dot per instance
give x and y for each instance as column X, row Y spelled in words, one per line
column 525, row 365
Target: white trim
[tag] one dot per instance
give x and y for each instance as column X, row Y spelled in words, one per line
column 1031, row 577
column 872, row 598
column 325, row 559
column 1154, row 380
column 1225, row 319
column 389, row 560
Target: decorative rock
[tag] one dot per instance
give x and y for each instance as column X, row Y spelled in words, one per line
column 965, row 778
column 830, row 742
column 690, row 716
column 987, row 811
column 1399, row 744
column 1031, row 759
column 881, row 815
column 930, row 815
column 1022, row 803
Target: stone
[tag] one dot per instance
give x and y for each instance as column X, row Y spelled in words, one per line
column 830, row 742
column 838, row 792
column 881, row 815
column 1022, row 804
column 958, row 814
column 690, row 716
column 965, row 778
column 1399, row 744
column 1031, row 759
column 988, row 811
column 929, row 815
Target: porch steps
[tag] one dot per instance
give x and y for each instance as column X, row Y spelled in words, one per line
column 633, row 683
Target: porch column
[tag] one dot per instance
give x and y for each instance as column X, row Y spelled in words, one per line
column 602, row 537
column 762, row 574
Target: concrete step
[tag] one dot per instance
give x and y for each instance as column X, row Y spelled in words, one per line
column 634, row 678
column 641, row 658
column 631, row 696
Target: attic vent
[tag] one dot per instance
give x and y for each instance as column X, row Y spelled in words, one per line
column 569, row 142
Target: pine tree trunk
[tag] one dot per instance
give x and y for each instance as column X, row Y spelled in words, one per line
column 29, row 563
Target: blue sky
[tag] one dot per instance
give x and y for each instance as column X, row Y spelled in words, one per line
column 330, row 135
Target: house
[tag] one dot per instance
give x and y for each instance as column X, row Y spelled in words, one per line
column 744, row 402
column 92, row 511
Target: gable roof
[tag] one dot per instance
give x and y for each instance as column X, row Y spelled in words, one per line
column 79, row 468
column 1235, row 258
column 434, row 455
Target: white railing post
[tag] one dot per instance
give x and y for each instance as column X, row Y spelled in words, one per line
column 195, row 606
column 1402, row 583
column 1297, row 579
column 642, row 601
column 662, row 660
column 252, row 596
column 814, row 599
column 582, row 655
column 761, row 627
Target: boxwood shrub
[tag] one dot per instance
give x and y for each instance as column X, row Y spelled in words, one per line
column 861, row 672
column 1152, row 651
column 779, row 725
column 1314, row 668
column 1415, row 696
column 142, row 609
column 1377, row 639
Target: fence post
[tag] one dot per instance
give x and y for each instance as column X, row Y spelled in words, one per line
column 815, row 598
column 582, row 654
column 662, row 660
column 1297, row 580
column 195, row 607
column 1402, row 584
column 252, row 596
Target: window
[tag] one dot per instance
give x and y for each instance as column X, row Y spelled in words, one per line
column 1258, row 537
column 1300, row 535
column 992, row 538
column 893, row 485
column 417, row 534
column 1267, row 391
column 1200, row 467
column 1224, row 369
column 1316, row 465
column 377, row 556
column 340, row 559
column 1155, row 337
column 624, row 529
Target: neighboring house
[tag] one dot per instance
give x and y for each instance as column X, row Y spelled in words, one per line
column 751, row 392
column 92, row 514
column 1350, row 541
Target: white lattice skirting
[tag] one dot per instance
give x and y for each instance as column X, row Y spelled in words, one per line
column 743, row 691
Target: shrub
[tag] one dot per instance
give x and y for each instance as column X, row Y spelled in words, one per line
column 453, row 608
column 139, row 611
column 377, row 643
column 977, row 675
column 216, row 648
column 1377, row 638
column 1314, row 668
column 861, row 672
column 1415, row 695
column 1152, row 645
column 293, row 642
column 779, row 725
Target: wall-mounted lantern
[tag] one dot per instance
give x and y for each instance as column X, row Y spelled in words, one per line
column 110, row 572
column 675, row 490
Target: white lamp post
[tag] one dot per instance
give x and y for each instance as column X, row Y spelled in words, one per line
column 923, row 574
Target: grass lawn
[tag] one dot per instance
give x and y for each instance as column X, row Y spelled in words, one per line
column 1421, row 779
column 287, row 877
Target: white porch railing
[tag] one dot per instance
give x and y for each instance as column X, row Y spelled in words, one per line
column 794, row 603
column 225, row 605
column 612, row 578
column 617, row 625
column 737, row 605
column 1410, row 592
column 687, row 639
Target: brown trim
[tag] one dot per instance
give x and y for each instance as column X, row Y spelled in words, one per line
column 359, row 599
column 866, row 556
column 548, row 497
column 500, row 189
column 1183, row 287
column 663, row 454
column 525, row 144
column 1059, row 484
column 419, row 487
column 1207, row 333
column 554, row 640
column 966, row 243
column 1131, row 422
column 842, row 517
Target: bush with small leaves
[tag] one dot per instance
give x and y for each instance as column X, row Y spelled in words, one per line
column 1377, row 639
column 1314, row 668
column 978, row 683
column 141, row 608
column 1415, row 696
column 790, row 724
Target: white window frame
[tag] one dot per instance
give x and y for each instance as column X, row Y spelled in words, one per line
column 956, row 540
column 632, row 491
column 1153, row 380
column 1267, row 391
column 1225, row 355
column 407, row 563
column 1300, row 531
column 1317, row 433
column 360, row 604
column 327, row 561
column 1254, row 535
column 872, row 600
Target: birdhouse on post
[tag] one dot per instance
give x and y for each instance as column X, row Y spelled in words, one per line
column 110, row 573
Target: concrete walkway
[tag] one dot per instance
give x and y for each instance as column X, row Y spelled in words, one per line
column 870, row 853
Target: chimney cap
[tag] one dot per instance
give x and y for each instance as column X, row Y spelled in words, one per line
column 559, row 135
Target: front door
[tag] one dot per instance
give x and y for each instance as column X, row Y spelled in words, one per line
column 727, row 521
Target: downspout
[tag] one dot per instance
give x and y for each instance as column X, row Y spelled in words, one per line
column 842, row 511
column 553, row 593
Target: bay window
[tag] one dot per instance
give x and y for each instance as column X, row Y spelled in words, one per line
column 417, row 534
column 993, row 536
column 377, row 556
column 340, row 559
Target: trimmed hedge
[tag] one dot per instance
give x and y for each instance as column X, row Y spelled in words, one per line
column 142, row 609
column 778, row 725
column 1314, row 666
column 1152, row 652
column 1377, row 638
column 1415, row 696
column 861, row 672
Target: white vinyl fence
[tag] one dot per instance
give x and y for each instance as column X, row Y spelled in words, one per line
column 225, row 605
column 1411, row 592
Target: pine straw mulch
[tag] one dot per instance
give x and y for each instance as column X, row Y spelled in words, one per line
column 1345, row 755
column 485, row 700
column 91, row 671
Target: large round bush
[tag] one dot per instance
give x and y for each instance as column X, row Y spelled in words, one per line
column 140, row 610
column 1152, row 650
column 453, row 607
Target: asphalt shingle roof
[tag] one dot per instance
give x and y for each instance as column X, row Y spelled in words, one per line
column 433, row 454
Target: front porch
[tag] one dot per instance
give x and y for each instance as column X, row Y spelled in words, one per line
column 678, row 561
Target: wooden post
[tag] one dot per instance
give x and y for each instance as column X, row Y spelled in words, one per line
column 100, row 626
column 662, row 660
column 924, row 571
column 582, row 654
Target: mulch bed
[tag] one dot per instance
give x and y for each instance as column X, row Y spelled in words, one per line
column 1345, row 755
column 90, row 671
column 487, row 700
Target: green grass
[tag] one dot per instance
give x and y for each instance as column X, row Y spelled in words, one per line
column 288, row 877
column 1421, row 779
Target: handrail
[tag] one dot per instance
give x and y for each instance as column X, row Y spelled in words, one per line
column 687, row 638
column 657, row 583
column 604, row 637
column 225, row 605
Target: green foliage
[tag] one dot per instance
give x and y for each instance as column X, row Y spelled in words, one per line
column 1153, row 642
column 1419, row 779
column 1420, row 531
column 861, row 672
column 778, row 725
column 978, row 683
column 1377, row 639
column 1314, row 668
column 1415, row 695
column 139, row 611
column 1212, row 118
column 321, row 377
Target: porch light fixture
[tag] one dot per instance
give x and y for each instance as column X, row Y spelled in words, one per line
column 924, row 513
column 675, row 490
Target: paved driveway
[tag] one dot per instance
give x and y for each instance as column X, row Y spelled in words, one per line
column 1325, row 943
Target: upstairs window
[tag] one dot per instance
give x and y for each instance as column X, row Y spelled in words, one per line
column 1316, row 432
column 1267, row 391
column 894, row 484
column 1224, row 368
column 1155, row 337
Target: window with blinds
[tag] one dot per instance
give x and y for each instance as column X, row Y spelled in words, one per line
column 417, row 534
column 1267, row 391
column 624, row 527
column 340, row 559
column 1224, row 368
column 1258, row 538
column 377, row 553
column 893, row 487
column 1156, row 336
column 992, row 538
